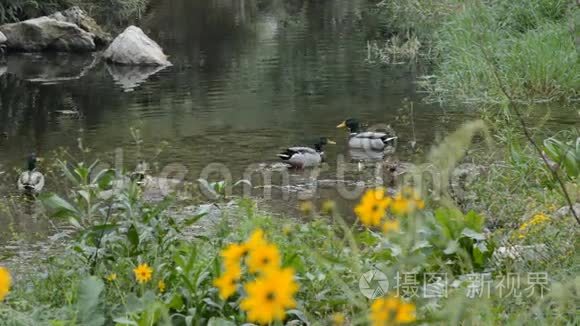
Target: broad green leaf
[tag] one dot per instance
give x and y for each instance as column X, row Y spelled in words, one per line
column 452, row 247
column 215, row 321
column 57, row 206
column 473, row 234
column 474, row 221
column 124, row 321
column 90, row 306
column 133, row 236
column 300, row 315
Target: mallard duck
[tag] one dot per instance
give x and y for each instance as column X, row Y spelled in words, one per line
column 31, row 181
column 301, row 157
column 366, row 139
column 139, row 176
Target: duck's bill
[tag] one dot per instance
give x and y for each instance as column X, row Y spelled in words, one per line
column 341, row 125
column 331, row 142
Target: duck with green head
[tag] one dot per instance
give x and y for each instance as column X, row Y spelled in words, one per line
column 302, row 157
column 31, row 181
column 358, row 138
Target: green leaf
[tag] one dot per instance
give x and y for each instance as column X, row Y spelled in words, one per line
column 133, row 236
column 104, row 227
column 194, row 219
column 452, row 247
column 125, row 321
column 216, row 321
column 473, row 234
column 474, row 221
column 90, row 306
column 300, row 315
column 57, row 206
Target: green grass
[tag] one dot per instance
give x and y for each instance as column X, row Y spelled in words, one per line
column 106, row 11
column 534, row 51
column 532, row 43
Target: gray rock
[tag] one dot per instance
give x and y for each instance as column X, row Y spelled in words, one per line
column 3, row 38
column 47, row 34
column 524, row 253
column 565, row 211
column 79, row 17
column 133, row 47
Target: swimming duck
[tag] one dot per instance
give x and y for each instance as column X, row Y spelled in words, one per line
column 31, row 181
column 366, row 139
column 301, row 157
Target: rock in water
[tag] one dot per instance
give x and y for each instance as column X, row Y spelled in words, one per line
column 133, row 47
column 45, row 33
column 79, row 17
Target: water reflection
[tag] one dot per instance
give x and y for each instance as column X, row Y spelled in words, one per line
column 49, row 68
column 130, row 77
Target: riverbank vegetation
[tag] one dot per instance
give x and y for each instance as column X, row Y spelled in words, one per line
column 532, row 43
column 107, row 11
column 129, row 262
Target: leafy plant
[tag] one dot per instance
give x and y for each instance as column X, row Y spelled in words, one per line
column 564, row 154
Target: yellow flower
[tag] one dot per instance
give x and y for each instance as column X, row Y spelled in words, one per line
column 391, row 226
column 539, row 219
column 372, row 207
column 536, row 221
column 328, row 207
column 406, row 202
column 161, row 286
column 227, row 283
column 306, row 207
column 143, row 273
column 233, row 254
column 5, row 282
column 391, row 310
column 111, row 277
column 406, row 313
column 263, row 258
column 337, row 319
column 269, row 296
column 256, row 240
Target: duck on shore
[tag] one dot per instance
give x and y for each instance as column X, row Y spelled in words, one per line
column 139, row 176
column 31, row 181
column 302, row 157
column 358, row 138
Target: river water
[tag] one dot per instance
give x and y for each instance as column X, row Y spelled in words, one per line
column 248, row 79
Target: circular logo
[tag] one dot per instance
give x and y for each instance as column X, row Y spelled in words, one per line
column 373, row 284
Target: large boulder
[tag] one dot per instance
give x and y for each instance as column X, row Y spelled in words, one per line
column 79, row 17
column 133, row 47
column 45, row 33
